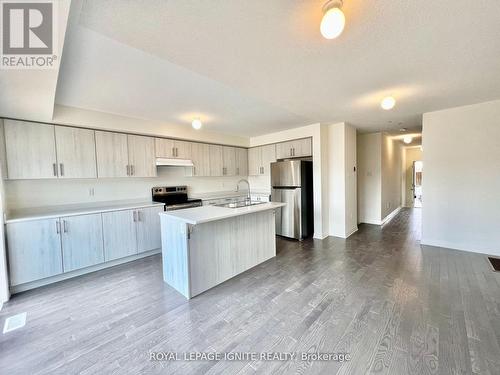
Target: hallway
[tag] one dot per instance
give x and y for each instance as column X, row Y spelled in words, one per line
column 393, row 307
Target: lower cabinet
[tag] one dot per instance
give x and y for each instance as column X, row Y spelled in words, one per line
column 81, row 241
column 38, row 249
column 120, row 239
column 148, row 229
column 34, row 249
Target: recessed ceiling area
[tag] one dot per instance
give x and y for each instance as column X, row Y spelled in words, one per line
column 250, row 68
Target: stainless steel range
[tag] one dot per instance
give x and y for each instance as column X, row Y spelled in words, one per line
column 174, row 197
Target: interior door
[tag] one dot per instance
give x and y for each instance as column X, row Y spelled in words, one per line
column 288, row 219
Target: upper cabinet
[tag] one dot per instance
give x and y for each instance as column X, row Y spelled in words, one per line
column 200, row 155
column 216, row 160
column 260, row 159
column 141, row 156
column 170, row 148
column 75, row 152
column 112, row 154
column 229, row 161
column 241, row 162
column 294, row 149
column 30, row 150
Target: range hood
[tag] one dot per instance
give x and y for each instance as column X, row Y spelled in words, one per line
column 167, row 162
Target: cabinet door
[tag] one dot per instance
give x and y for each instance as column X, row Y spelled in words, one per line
column 302, row 147
column 182, row 149
column 34, row 249
column 30, row 149
column 200, row 154
column 112, row 154
column 164, row 148
column 119, row 232
column 75, row 152
column 82, row 242
column 284, row 150
column 254, row 161
column 216, row 160
column 229, row 161
column 148, row 228
column 241, row 162
column 268, row 157
column 141, row 156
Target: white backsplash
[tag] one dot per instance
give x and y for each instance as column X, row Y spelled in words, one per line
column 39, row 193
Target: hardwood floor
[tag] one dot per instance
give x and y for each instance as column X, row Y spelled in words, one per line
column 395, row 307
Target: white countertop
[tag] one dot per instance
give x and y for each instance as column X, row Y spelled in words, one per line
column 205, row 214
column 75, row 209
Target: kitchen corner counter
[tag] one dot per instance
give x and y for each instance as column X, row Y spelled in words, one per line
column 38, row 213
column 205, row 214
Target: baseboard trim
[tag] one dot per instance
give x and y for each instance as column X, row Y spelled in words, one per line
column 391, row 215
column 457, row 247
column 54, row 279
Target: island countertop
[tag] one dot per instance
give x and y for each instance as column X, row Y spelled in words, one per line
column 205, row 214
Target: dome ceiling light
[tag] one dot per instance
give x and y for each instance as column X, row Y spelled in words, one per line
column 196, row 124
column 333, row 21
column 388, row 103
column 407, row 139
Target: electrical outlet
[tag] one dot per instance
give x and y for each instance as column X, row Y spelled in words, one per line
column 91, row 192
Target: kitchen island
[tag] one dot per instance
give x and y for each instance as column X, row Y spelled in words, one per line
column 205, row 246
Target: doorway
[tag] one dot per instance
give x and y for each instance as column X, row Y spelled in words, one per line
column 417, row 183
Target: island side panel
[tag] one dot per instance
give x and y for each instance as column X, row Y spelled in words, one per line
column 220, row 250
column 174, row 249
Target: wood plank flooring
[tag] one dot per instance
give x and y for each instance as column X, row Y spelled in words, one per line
column 395, row 307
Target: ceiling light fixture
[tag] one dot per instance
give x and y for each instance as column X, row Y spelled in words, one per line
column 388, row 103
column 333, row 21
column 407, row 139
column 196, row 124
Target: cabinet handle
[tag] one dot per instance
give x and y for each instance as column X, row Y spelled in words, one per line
column 61, row 167
column 237, row 171
column 54, row 167
column 58, row 227
column 132, row 170
column 194, row 171
column 291, row 151
column 65, row 226
column 138, row 215
column 176, row 152
column 134, row 216
column 128, row 170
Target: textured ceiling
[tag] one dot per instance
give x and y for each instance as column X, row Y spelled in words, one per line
column 272, row 69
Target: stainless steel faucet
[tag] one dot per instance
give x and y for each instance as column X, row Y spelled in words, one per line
column 248, row 184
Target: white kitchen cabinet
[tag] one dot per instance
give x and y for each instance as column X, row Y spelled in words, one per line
column 34, row 249
column 82, row 241
column 30, row 150
column 200, row 155
column 148, row 228
column 294, row 149
column 216, row 160
column 119, row 231
column 260, row 159
column 141, row 156
column 229, row 161
column 112, row 154
column 241, row 161
column 75, row 152
column 171, row 148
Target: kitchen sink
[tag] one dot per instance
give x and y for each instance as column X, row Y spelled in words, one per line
column 239, row 204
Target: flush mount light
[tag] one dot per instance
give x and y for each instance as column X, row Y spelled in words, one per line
column 196, row 124
column 407, row 139
column 388, row 103
column 333, row 21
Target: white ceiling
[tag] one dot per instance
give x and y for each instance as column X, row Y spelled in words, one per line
column 253, row 67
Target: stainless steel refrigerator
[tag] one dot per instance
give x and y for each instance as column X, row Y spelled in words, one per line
column 292, row 183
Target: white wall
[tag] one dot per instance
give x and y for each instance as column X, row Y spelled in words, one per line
column 380, row 162
column 369, row 152
column 391, row 175
column 342, row 180
column 461, row 182
column 38, row 193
